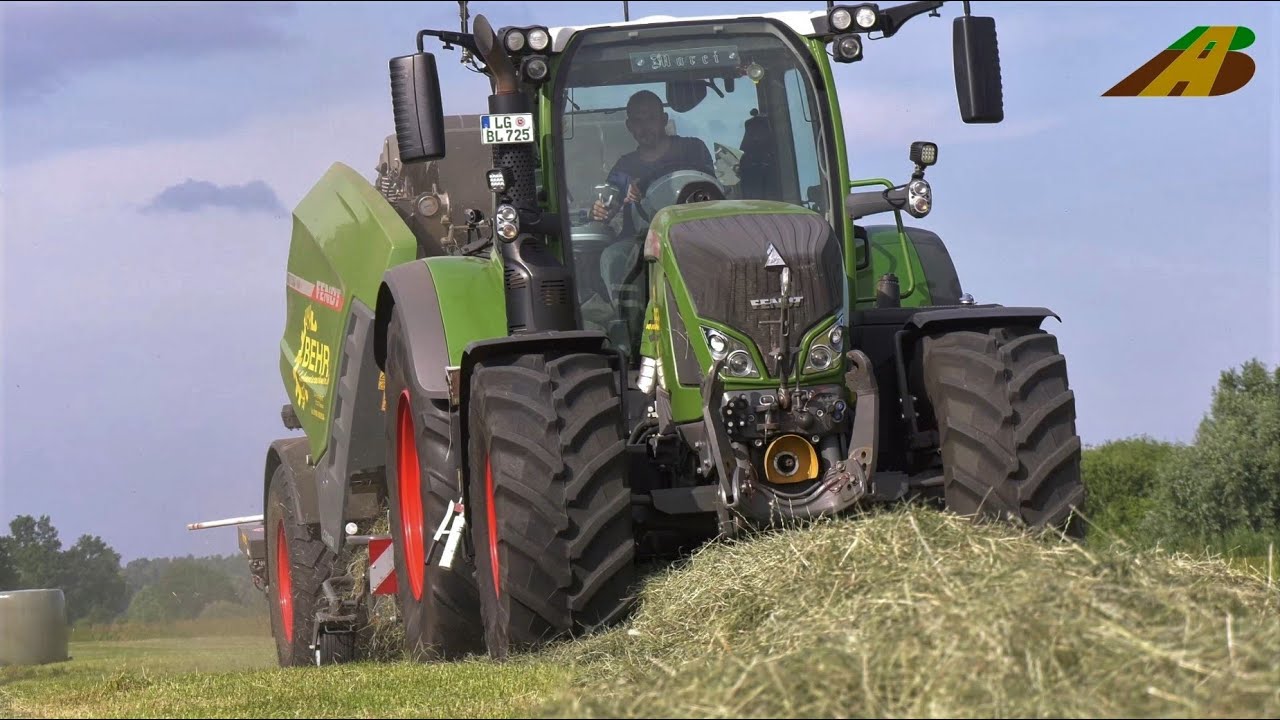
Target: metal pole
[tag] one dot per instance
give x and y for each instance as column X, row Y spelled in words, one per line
column 626, row 11
column 221, row 523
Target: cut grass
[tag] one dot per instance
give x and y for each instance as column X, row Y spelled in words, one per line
column 238, row 678
column 908, row 612
column 914, row 613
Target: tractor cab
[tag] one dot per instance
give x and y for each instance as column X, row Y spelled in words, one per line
column 649, row 116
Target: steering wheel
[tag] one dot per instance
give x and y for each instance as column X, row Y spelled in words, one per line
column 677, row 188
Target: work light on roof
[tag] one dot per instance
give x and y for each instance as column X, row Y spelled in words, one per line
column 539, row 39
column 841, row 19
column 866, row 17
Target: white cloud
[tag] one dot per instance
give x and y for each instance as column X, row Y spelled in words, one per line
column 288, row 152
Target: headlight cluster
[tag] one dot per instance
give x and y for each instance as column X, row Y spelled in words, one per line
column 507, row 222
column 534, row 38
column 824, row 354
column 919, row 198
column 738, row 361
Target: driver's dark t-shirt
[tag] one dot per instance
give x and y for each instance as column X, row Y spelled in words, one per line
column 684, row 153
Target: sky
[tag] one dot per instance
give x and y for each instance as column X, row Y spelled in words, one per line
column 151, row 155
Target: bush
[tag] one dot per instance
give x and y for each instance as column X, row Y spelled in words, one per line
column 1224, row 493
column 1121, row 478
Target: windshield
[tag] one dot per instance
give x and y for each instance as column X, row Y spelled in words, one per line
column 648, row 117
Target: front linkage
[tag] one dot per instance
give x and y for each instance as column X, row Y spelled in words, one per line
column 744, row 502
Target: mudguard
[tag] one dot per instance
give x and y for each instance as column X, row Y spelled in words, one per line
column 448, row 302
column 411, row 288
column 293, row 452
column 952, row 318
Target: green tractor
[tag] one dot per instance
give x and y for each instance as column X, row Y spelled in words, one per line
column 633, row 308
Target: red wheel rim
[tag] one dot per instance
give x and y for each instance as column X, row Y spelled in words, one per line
column 412, row 537
column 284, row 582
column 493, row 523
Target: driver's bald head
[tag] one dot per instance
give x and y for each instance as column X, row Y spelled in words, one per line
column 645, row 102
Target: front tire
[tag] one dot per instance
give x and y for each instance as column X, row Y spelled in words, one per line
column 1007, row 426
column 550, row 499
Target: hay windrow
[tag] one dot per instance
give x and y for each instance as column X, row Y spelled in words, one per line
column 918, row 613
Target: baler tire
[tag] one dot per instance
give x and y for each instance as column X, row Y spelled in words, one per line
column 550, row 500
column 1006, row 420
column 443, row 621
column 294, row 588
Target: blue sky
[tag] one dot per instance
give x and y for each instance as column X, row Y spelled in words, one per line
column 151, row 153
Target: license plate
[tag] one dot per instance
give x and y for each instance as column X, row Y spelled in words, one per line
column 501, row 129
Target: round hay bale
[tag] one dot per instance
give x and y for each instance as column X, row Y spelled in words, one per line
column 33, row 627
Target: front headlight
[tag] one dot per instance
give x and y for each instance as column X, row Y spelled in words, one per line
column 826, row 349
column 738, row 362
column 919, row 198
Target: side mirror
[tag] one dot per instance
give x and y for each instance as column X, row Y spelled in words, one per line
column 415, row 101
column 977, row 69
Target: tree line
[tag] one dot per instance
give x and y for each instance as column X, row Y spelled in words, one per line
column 98, row 590
column 1220, row 492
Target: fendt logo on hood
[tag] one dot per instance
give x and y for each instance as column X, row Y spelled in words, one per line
column 773, row 262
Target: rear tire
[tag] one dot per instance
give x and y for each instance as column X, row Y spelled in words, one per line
column 439, row 607
column 550, row 499
column 1006, row 423
column 298, row 563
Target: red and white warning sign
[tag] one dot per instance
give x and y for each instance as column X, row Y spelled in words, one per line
column 382, row 567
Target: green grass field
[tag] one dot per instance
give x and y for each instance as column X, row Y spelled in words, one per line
column 908, row 613
column 238, row 677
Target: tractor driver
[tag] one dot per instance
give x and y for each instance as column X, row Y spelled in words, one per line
column 656, row 155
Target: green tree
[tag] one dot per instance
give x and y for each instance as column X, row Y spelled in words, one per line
column 8, row 573
column 152, row 604
column 35, row 551
column 1228, row 484
column 94, row 584
column 182, row 590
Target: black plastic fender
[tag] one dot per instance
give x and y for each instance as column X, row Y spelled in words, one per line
column 293, row 451
column 410, row 285
column 926, row 321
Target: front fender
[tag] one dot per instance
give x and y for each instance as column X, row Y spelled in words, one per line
column 977, row 316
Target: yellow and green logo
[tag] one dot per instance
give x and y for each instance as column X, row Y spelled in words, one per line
column 1206, row 61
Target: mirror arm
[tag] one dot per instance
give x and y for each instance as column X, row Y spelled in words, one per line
column 449, row 38
column 896, row 17
column 874, row 202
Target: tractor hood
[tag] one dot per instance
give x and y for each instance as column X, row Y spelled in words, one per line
column 729, row 256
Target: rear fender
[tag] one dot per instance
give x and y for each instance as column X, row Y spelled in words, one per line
column 410, row 288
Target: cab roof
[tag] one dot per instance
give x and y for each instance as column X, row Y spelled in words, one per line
column 800, row 21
